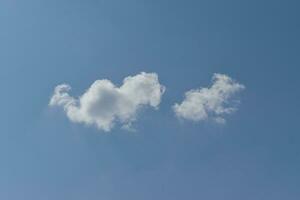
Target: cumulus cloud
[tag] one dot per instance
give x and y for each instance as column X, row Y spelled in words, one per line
column 210, row 103
column 104, row 104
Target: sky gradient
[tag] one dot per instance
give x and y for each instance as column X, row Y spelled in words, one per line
column 255, row 155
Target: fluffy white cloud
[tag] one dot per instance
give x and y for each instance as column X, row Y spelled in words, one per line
column 104, row 104
column 210, row 103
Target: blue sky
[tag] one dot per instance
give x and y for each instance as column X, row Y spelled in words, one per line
column 255, row 155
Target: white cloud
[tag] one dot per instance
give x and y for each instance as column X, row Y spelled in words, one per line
column 210, row 103
column 105, row 104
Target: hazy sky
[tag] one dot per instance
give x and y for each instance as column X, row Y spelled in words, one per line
column 214, row 116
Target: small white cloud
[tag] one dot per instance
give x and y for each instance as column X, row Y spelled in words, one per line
column 105, row 104
column 210, row 103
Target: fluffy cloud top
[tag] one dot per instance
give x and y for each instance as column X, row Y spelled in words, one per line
column 210, row 103
column 104, row 104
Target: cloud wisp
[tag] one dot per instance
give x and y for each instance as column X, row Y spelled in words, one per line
column 211, row 103
column 104, row 104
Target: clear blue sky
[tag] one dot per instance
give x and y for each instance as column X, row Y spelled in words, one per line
column 255, row 155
